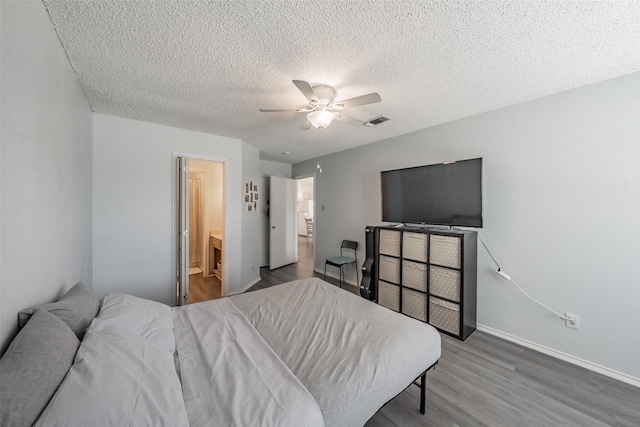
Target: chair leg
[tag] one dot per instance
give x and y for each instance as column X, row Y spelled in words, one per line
column 340, row 277
column 325, row 272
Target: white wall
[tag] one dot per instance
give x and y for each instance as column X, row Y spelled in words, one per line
column 268, row 168
column 133, row 204
column 46, row 166
column 561, row 210
column 252, row 223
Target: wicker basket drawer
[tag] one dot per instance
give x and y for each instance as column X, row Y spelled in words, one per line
column 414, row 304
column 389, row 269
column 414, row 275
column 445, row 250
column 444, row 283
column 389, row 295
column 444, row 315
column 414, row 246
column 390, row 242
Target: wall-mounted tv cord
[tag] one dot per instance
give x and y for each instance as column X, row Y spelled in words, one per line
column 509, row 279
column 488, row 251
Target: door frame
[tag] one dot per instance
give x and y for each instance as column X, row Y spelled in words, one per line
column 174, row 211
column 315, row 207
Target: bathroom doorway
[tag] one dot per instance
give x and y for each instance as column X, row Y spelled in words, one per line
column 200, row 226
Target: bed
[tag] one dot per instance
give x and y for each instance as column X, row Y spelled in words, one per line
column 300, row 353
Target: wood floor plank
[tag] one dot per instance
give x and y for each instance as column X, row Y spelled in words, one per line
column 487, row 381
column 513, row 397
column 204, row 288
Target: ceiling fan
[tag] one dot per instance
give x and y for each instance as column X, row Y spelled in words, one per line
column 322, row 110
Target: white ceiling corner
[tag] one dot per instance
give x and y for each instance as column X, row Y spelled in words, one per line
column 210, row 65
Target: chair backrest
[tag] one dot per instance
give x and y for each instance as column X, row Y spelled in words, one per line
column 349, row 244
column 309, row 225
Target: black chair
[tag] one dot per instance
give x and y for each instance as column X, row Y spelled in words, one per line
column 340, row 261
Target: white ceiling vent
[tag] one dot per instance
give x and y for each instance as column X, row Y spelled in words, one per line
column 377, row 120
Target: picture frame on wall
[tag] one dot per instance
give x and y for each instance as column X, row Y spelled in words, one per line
column 251, row 196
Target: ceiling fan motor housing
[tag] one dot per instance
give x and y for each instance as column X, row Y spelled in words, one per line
column 325, row 94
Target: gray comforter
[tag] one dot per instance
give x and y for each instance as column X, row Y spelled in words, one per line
column 230, row 376
column 352, row 355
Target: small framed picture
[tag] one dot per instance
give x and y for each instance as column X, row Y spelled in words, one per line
column 249, row 207
column 246, row 198
column 250, row 185
column 255, row 187
column 246, row 187
column 255, row 206
column 255, row 197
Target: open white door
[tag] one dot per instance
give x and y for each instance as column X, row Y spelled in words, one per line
column 182, row 239
column 283, row 241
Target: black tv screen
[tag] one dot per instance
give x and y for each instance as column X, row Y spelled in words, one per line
column 442, row 194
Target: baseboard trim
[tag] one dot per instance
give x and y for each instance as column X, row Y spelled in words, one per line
column 245, row 287
column 628, row 379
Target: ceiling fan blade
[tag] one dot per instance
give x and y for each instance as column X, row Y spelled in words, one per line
column 306, row 90
column 370, row 98
column 279, row 110
column 348, row 119
column 306, row 126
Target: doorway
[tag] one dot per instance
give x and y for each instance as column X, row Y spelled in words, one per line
column 200, row 224
column 305, row 209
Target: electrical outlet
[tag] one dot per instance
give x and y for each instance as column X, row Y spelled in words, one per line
column 573, row 321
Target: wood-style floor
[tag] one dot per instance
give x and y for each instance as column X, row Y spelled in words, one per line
column 204, row 288
column 300, row 270
column 487, row 381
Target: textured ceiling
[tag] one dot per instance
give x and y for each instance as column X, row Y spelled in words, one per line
column 209, row 65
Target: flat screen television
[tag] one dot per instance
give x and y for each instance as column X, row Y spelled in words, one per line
column 442, row 194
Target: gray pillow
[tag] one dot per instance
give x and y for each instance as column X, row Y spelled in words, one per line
column 77, row 308
column 33, row 367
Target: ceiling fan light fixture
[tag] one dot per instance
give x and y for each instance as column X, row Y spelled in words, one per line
column 321, row 119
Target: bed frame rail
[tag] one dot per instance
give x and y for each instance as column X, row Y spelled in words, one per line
column 423, row 388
